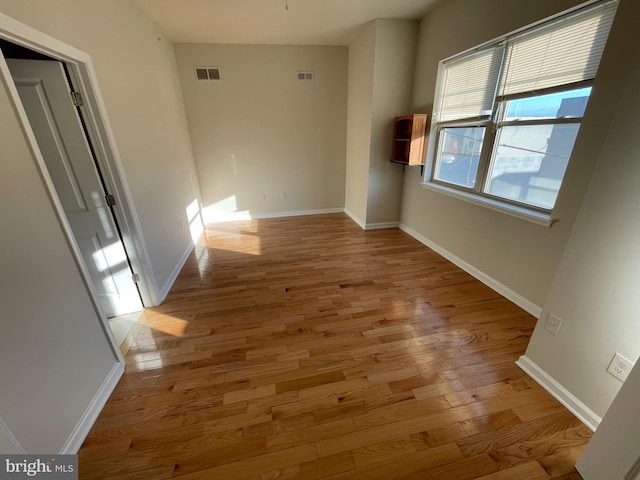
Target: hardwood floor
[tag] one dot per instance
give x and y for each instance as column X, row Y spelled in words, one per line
column 307, row 348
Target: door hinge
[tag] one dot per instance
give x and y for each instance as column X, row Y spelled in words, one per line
column 111, row 200
column 76, row 97
column 135, row 277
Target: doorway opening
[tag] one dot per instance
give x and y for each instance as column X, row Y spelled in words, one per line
column 63, row 121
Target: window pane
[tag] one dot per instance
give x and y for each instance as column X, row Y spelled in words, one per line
column 529, row 163
column 554, row 105
column 458, row 155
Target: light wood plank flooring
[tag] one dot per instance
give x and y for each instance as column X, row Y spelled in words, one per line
column 307, row 348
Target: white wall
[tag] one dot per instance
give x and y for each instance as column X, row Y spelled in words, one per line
column 595, row 290
column 614, row 447
column 360, row 111
column 520, row 255
column 54, row 355
column 395, row 54
column 139, row 83
column 7, row 446
column 381, row 64
column 261, row 130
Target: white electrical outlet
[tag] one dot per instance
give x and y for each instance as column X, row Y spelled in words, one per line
column 553, row 324
column 620, row 367
column 262, row 196
column 283, row 194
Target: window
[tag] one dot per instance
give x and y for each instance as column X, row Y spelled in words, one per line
column 507, row 114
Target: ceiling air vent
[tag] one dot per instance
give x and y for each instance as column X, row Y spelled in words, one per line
column 305, row 75
column 207, row 73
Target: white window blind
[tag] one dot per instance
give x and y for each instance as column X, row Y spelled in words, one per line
column 469, row 85
column 561, row 53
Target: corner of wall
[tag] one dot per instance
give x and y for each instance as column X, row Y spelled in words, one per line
column 560, row 393
column 355, row 218
column 82, row 428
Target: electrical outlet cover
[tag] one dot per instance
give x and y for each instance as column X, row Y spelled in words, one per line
column 553, row 325
column 620, row 367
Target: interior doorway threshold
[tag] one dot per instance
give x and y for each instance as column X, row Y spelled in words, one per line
column 122, row 326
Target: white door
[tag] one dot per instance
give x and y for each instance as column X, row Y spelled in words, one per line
column 57, row 126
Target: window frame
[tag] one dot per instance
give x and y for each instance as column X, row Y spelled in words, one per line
column 493, row 122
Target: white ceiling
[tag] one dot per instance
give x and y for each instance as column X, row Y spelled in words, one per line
column 306, row 22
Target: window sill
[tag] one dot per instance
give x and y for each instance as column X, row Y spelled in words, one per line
column 539, row 218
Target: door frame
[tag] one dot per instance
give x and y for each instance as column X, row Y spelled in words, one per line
column 80, row 67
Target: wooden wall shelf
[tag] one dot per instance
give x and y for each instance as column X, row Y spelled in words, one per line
column 408, row 139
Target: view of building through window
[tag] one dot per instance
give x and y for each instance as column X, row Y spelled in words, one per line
column 530, row 161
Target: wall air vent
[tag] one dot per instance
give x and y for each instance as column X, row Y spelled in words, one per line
column 305, row 75
column 208, row 73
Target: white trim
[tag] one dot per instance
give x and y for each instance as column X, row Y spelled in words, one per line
column 377, row 226
column 219, row 216
column 560, row 393
column 370, row 226
column 90, row 415
column 176, row 271
column 113, row 171
column 491, row 282
column 83, row 73
column 356, row 219
column 6, row 79
column 20, row 33
column 297, row 213
column 4, row 430
column 539, row 218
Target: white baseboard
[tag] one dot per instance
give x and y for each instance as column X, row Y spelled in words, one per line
column 356, row 219
column 560, row 393
column 297, row 213
column 176, row 271
column 82, row 428
column 219, row 216
column 14, row 444
column 491, row 282
column 377, row 226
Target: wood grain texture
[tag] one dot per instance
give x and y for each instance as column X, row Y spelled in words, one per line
column 307, row 348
